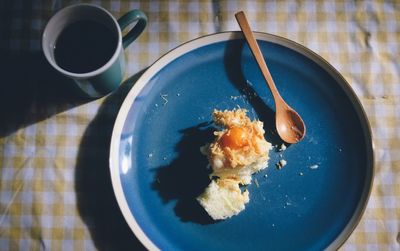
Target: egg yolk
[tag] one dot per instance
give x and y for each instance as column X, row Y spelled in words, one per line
column 235, row 137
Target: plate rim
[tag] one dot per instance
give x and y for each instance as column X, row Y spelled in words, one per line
column 223, row 37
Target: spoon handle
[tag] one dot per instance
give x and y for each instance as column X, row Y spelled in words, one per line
column 255, row 49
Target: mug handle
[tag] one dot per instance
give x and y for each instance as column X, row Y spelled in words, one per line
column 128, row 18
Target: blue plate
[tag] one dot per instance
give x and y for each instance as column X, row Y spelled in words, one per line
column 157, row 170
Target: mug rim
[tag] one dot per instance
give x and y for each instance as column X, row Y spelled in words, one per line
column 84, row 75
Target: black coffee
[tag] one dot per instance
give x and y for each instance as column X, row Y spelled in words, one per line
column 84, row 46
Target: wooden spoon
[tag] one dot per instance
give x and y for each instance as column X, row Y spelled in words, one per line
column 289, row 124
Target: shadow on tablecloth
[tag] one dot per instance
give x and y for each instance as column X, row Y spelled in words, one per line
column 97, row 204
column 32, row 91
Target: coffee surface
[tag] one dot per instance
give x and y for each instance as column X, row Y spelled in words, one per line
column 84, row 46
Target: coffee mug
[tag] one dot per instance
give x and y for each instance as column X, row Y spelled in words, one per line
column 84, row 42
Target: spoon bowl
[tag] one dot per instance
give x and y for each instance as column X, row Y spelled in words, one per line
column 290, row 132
column 289, row 125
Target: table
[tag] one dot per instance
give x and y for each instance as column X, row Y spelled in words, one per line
column 55, row 191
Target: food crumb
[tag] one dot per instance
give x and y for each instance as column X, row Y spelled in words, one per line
column 150, row 155
column 156, row 105
column 266, row 176
column 281, row 163
column 314, row 166
column 256, row 181
column 301, row 173
column 164, row 97
column 282, row 148
column 178, row 94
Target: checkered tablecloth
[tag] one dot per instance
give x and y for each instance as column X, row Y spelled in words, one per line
column 55, row 192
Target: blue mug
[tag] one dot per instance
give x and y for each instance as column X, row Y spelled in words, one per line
column 84, row 42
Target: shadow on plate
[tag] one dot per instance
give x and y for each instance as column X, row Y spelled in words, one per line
column 233, row 67
column 187, row 175
column 31, row 91
column 97, row 204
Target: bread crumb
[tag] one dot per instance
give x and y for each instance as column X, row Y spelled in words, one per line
column 164, row 97
column 282, row 148
column 281, row 163
column 314, row 166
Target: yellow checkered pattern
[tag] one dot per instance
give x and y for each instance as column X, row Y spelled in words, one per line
column 53, row 160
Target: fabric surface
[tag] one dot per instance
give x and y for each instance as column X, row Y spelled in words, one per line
column 55, row 192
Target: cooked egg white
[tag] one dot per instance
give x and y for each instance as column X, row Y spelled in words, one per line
column 223, row 199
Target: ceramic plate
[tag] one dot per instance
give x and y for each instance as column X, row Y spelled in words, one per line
column 157, row 170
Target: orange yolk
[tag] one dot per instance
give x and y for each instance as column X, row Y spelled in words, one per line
column 235, row 137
